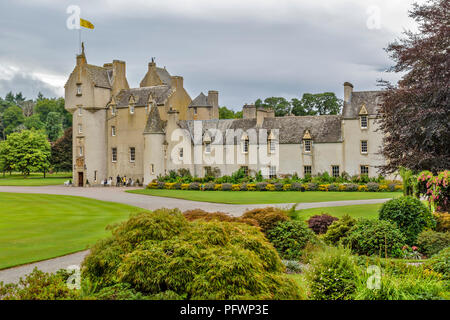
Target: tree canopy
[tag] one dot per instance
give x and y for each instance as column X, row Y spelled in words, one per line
column 61, row 159
column 225, row 113
column 415, row 114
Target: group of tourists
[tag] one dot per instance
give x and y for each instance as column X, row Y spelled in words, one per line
column 120, row 182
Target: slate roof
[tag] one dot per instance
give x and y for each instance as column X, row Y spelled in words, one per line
column 200, row 101
column 154, row 122
column 99, row 76
column 323, row 129
column 371, row 99
column 164, row 76
column 141, row 95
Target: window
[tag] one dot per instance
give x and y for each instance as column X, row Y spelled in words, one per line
column 80, row 111
column 207, row 171
column 272, row 146
column 113, row 131
column 195, row 110
column 307, row 145
column 80, row 128
column 245, row 145
column 132, row 154
column 307, row 170
column 335, row 171
column 207, row 147
column 365, row 170
column 245, row 170
column 114, row 154
column 181, row 153
column 364, row 146
column 80, row 151
column 363, row 122
column 131, row 109
column 272, row 172
column 95, row 175
column 113, row 110
column 152, row 169
column 78, row 89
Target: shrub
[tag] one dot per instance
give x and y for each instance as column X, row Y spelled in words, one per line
column 440, row 263
column 432, row 242
column 410, row 215
column 333, row 187
column 375, row 237
column 270, row 187
column 290, row 238
column 442, row 221
column 351, row 187
column 185, row 186
column 323, row 187
column 287, row 187
column 261, row 186
column 278, row 186
column 297, row 187
column 209, row 186
column 161, row 254
column 267, row 218
column 339, row 229
column 194, row 186
column 218, row 187
column 332, row 275
column 293, row 266
column 39, row 285
column 243, row 187
column 362, row 188
column 227, row 186
column 312, row 186
column 251, row 187
column 320, row 223
column 391, row 187
column 236, row 187
column 197, row 214
column 373, row 187
column 161, row 185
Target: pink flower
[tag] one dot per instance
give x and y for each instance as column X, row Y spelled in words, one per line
column 414, row 248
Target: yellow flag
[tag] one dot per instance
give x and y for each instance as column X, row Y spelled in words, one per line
column 86, row 24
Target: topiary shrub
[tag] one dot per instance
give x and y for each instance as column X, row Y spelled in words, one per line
column 161, row 254
column 227, row 186
column 339, row 229
column 431, row 242
column 409, row 214
column 375, row 237
column 440, row 263
column 320, row 223
column 373, row 186
column 267, row 218
column 332, row 275
column 290, row 238
column 194, row 186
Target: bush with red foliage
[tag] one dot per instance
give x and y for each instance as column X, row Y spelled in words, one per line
column 320, row 223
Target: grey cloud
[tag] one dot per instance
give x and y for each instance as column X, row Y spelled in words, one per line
column 29, row 86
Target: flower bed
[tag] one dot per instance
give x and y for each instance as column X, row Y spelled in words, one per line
column 265, row 186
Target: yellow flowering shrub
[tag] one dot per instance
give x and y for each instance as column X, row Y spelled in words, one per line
column 362, row 188
column 323, row 187
column 170, row 185
column 398, row 187
column 152, row 185
column 251, row 187
column 185, row 186
column 270, row 187
column 218, row 187
column 305, row 185
column 383, row 187
column 236, row 187
column 342, row 187
column 287, row 187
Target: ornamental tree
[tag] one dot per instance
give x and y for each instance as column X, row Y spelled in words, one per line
column 415, row 114
column 26, row 151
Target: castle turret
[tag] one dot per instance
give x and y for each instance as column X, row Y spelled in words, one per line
column 154, row 146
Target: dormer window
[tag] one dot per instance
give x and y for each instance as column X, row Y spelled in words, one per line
column 80, row 111
column 131, row 109
column 207, row 147
column 271, row 142
column 131, row 104
column 307, row 141
column 78, row 89
column 113, row 110
column 363, row 117
column 195, row 111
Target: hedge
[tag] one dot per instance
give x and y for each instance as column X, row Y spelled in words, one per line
column 265, row 186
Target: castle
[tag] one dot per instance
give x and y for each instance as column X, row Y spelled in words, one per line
column 118, row 130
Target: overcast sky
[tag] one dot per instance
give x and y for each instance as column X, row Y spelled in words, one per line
column 245, row 49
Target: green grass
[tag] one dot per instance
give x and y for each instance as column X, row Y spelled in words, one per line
column 264, row 197
column 34, row 179
column 357, row 211
column 36, row 227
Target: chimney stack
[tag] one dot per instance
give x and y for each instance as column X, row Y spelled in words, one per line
column 213, row 99
column 348, row 89
column 119, row 76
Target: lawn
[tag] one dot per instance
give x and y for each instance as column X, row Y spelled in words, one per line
column 262, row 197
column 36, row 227
column 34, row 179
column 357, row 211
